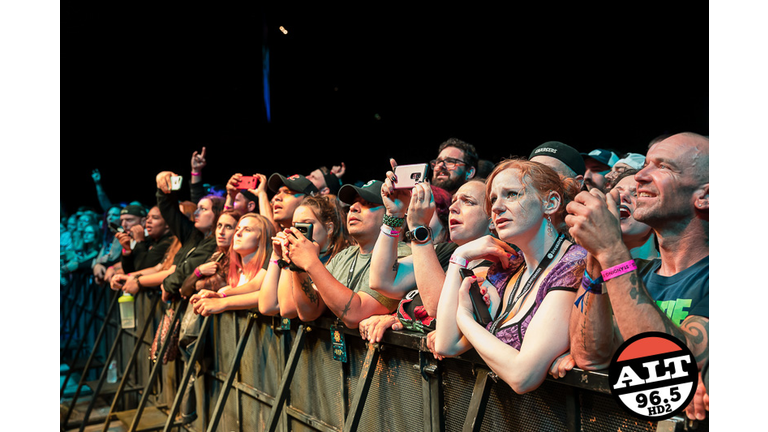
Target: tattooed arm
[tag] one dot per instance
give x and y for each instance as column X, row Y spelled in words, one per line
column 636, row 312
column 308, row 302
column 592, row 330
column 594, row 224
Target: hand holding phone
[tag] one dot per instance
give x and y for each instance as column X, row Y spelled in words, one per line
column 247, row 182
column 409, row 176
column 482, row 316
column 176, row 182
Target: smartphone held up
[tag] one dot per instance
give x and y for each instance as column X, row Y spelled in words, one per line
column 409, row 176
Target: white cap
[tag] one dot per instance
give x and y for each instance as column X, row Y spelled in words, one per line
column 634, row 160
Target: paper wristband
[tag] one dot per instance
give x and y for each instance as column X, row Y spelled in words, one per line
column 459, row 261
column 618, row 270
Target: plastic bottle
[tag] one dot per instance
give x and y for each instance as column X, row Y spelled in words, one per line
column 127, row 319
column 112, row 372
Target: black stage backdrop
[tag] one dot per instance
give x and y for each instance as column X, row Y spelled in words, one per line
column 360, row 84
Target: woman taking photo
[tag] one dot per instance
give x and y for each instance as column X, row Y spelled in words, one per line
column 530, row 290
column 329, row 231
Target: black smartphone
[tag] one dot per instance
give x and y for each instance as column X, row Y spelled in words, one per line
column 305, row 228
column 115, row 228
column 482, row 315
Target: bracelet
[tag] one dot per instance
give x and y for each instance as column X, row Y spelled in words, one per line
column 195, row 174
column 390, row 232
column 223, row 294
column 197, row 273
column 619, row 270
column 226, row 207
column 274, row 261
column 459, row 261
column 136, row 278
column 394, row 222
column 593, row 286
column 589, row 285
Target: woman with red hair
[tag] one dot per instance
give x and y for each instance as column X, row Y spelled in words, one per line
column 530, row 288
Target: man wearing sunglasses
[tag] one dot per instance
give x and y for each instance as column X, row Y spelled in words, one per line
column 456, row 163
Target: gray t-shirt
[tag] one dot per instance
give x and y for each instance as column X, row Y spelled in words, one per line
column 353, row 269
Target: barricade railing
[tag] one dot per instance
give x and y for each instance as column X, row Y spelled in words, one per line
column 265, row 373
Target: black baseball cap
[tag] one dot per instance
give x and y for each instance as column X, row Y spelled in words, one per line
column 133, row 209
column 370, row 192
column 296, row 183
column 562, row 152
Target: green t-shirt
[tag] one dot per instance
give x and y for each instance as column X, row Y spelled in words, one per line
column 353, row 269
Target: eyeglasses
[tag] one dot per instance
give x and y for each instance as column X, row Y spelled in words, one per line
column 450, row 163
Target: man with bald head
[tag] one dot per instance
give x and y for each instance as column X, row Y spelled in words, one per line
column 669, row 294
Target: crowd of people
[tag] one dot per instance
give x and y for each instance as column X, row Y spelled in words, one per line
column 541, row 235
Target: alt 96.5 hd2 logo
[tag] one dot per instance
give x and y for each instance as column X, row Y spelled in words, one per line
column 653, row 376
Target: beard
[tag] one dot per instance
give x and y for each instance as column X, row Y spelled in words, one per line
column 449, row 184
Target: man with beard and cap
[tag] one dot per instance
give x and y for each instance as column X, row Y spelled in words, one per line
column 562, row 158
column 455, row 164
column 289, row 193
column 598, row 163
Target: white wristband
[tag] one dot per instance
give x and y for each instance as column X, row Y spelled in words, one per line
column 459, row 261
column 389, row 231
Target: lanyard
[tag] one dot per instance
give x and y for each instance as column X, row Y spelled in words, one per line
column 514, row 297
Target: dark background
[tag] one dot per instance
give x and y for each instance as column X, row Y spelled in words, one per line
column 361, row 84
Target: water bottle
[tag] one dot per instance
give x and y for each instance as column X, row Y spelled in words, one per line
column 112, row 372
column 127, row 319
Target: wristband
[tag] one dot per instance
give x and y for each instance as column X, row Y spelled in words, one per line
column 593, row 286
column 390, row 232
column 274, row 261
column 619, row 270
column 223, row 294
column 459, row 261
column 197, row 273
column 392, row 221
column 589, row 285
column 195, row 174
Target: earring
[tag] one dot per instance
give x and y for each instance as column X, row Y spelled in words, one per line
column 550, row 226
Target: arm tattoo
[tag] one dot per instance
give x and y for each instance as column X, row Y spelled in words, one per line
column 696, row 329
column 637, row 292
column 346, row 308
column 395, row 266
column 306, row 287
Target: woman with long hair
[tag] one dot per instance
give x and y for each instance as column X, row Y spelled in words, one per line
column 329, row 231
column 530, row 288
column 249, row 250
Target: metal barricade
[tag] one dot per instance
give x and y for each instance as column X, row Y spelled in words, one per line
column 260, row 375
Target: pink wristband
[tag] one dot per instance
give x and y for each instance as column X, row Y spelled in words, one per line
column 198, row 274
column 195, row 174
column 223, row 295
column 618, row 270
column 459, row 261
